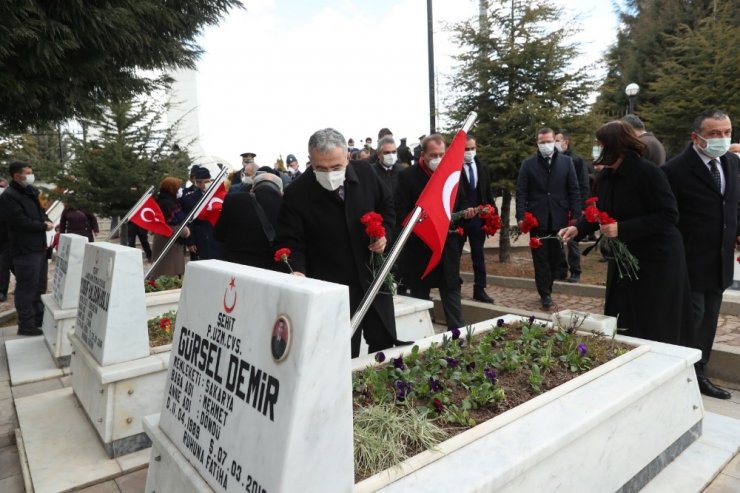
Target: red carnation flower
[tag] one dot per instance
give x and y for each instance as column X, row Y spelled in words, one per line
column 371, row 218
column 438, row 406
column 460, row 231
column 530, row 222
column 605, row 218
column 592, row 200
column 282, row 254
column 164, row 322
column 375, row 230
column 535, row 243
column 591, row 213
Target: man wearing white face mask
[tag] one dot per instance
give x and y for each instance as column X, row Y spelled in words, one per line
column 415, row 256
column 27, row 227
column 548, row 188
column 319, row 221
column 704, row 179
column 387, row 166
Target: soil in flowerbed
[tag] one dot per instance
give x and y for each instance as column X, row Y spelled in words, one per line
column 464, row 381
column 520, row 264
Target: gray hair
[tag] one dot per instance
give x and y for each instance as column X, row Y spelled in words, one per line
column 707, row 115
column 325, row 140
column 633, row 121
column 388, row 139
column 262, row 178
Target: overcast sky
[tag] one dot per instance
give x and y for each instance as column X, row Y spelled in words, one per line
column 277, row 71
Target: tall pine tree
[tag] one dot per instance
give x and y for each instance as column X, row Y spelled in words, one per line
column 515, row 71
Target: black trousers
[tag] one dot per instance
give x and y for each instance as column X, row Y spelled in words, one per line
column 451, row 302
column 30, row 283
column 372, row 328
column 476, row 237
column 136, row 232
column 5, row 262
column 547, row 260
column 705, row 305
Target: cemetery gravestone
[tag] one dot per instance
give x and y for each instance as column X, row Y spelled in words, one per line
column 111, row 314
column 257, row 395
column 66, row 283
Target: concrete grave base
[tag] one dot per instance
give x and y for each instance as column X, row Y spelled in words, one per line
column 116, row 397
column 29, row 361
column 61, row 447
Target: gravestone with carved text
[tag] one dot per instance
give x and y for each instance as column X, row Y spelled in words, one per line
column 256, row 397
column 111, row 314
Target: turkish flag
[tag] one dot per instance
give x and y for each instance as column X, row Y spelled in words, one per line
column 149, row 216
column 212, row 210
column 437, row 200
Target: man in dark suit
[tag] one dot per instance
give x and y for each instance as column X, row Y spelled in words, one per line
column 320, row 222
column 387, row 166
column 548, row 188
column 654, row 150
column 415, row 256
column 704, row 179
column 476, row 182
column 562, row 145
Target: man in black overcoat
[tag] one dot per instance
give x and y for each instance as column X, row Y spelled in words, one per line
column 548, row 188
column 202, row 244
column 415, row 255
column 476, row 183
column 319, row 221
column 704, row 179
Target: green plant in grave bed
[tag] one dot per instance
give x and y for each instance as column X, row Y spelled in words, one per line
column 535, row 378
column 162, row 283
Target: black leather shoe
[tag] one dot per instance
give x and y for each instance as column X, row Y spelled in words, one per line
column 30, row 332
column 482, row 297
column 546, row 301
column 708, row 388
column 574, row 278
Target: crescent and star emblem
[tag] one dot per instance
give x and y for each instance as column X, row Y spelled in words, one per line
column 143, row 215
column 213, row 203
column 232, row 286
column 448, row 190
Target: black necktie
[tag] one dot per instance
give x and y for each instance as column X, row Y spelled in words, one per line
column 340, row 192
column 715, row 174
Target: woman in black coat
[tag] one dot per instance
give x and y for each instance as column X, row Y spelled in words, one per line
column 635, row 192
column 240, row 229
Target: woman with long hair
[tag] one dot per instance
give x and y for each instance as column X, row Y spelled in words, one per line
column 655, row 305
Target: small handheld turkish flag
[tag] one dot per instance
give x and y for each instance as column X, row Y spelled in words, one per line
column 212, row 211
column 150, row 217
column 437, row 200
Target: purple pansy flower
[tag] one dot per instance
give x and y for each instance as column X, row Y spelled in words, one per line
column 434, row 384
column 398, row 363
column 582, row 349
column 470, row 366
column 379, row 356
column 402, row 389
column 455, row 334
column 490, row 373
column 452, row 362
column 500, row 322
column 531, row 319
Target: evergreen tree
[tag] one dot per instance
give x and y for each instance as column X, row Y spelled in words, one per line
column 699, row 73
column 124, row 151
column 60, row 60
column 515, row 72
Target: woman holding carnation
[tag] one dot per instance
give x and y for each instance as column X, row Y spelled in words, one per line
column 638, row 209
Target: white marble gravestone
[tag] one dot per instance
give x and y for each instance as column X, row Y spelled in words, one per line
column 60, row 306
column 243, row 410
column 111, row 315
column 66, row 283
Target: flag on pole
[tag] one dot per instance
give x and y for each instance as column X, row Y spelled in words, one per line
column 212, row 210
column 438, row 199
column 150, row 217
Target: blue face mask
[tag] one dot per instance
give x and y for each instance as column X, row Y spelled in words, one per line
column 596, row 152
column 716, row 146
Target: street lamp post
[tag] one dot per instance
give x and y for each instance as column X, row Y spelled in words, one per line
column 631, row 91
